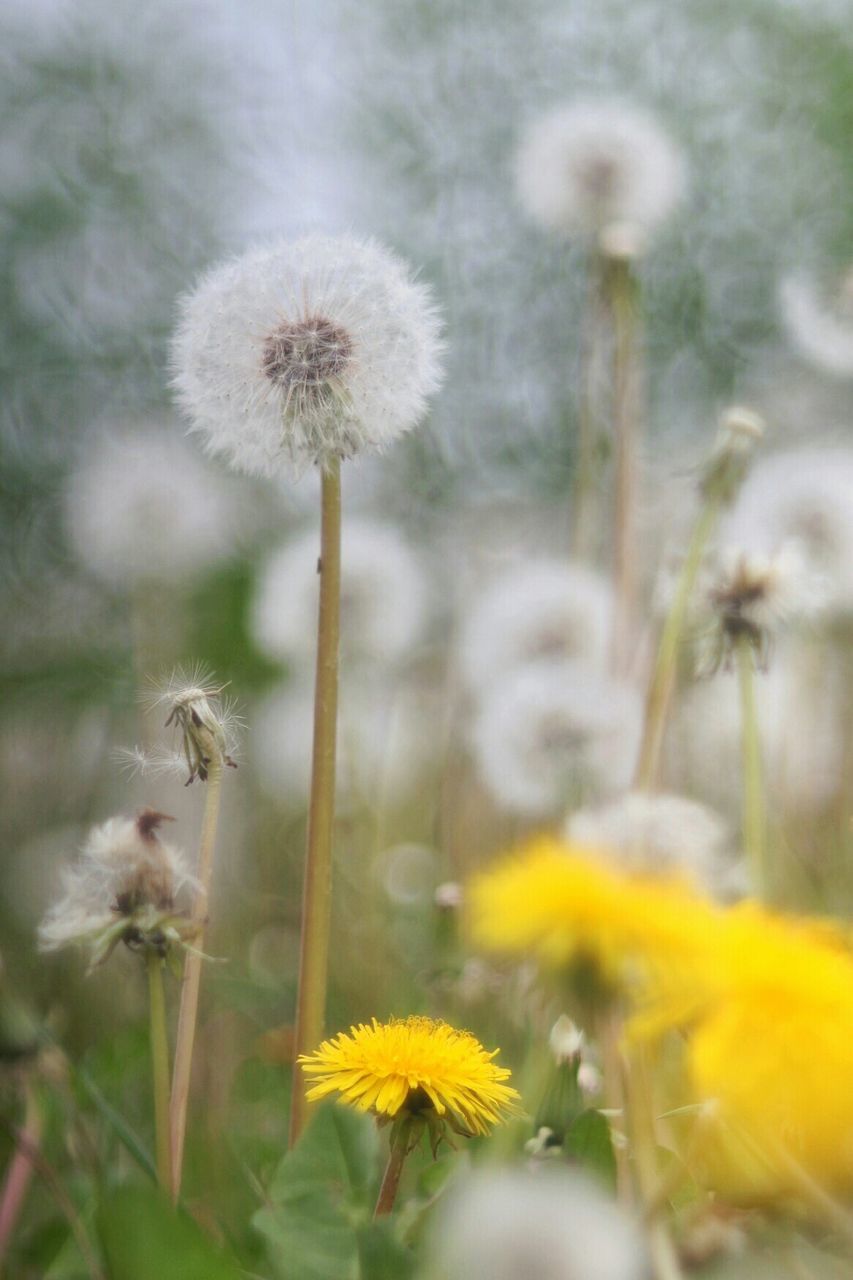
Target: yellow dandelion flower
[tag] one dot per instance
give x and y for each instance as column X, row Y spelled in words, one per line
column 414, row 1064
column 564, row 904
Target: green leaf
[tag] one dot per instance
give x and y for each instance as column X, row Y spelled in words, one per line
column 142, row 1236
column 382, row 1256
column 588, row 1143
column 319, row 1198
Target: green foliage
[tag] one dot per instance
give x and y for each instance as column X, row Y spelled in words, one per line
column 143, row 1237
column 588, row 1142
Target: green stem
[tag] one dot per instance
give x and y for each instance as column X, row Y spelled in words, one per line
column 644, row 1146
column 754, row 820
column 160, row 1068
column 662, row 684
column 397, row 1153
column 622, row 290
column 317, row 891
column 187, row 1016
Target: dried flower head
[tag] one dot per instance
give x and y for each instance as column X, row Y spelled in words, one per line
column 123, row 888
column 661, row 835
column 142, row 505
column 589, row 165
column 820, row 325
column 549, row 1225
column 551, row 733
column 305, row 351
column 740, row 430
column 383, row 597
column 540, row 612
column 442, row 1076
column 206, row 725
column 802, row 495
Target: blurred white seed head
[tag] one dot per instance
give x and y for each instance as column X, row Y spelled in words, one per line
column 383, row 597
column 821, row 326
column 385, row 738
column 752, row 595
column 802, row 495
column 566, row 1040
column 549, row 734
column 305, row 351
column 207, row 726
column 141, row 504
column 539, row 612
column 547, row 1225
column 122, row 888
column 449, row 895
column 659, row 833
column 602, row 167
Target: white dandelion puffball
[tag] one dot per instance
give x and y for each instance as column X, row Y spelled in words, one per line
column 143, row 505
column 658, row 833
column 383, row 597
column 305, row 351
column 384, row 739
column 122, row 866
column 588, row 166
column 542, row 611
column 823, row 332
column 758, row 592
column 551, row 1225
column 804, row 495
column 552, row 733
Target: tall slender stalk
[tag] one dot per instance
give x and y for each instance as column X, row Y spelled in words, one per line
column 641, row 1125
column 317, row 891
column 160, row 1068
column 622, row 292
column 659, row 695
column 587, row 466
column 397, row 1153
column 754, row 818
column 20, row 1172
column 185, row 1038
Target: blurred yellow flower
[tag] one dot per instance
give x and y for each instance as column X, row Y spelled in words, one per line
column 564, row 904
column 415, row 1064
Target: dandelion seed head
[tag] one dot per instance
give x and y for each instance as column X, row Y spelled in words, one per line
column 752, row 595
column 659, row 834
column 305, row 351
column 549, row 1225
column 599, row 167
column 802, row 495
column 207, row 724
column 548, row 734
column 820, row 326
column 383, row 597
column 141, row 504
column 539, row 612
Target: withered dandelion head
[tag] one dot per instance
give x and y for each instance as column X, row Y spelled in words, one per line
column 207, row 725
column 438, row 1074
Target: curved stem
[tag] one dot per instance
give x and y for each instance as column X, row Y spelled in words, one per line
column 19, row 1173
column 662, row 684
column 185, row 1038
column 397, row 1153
column 754, row 822
column 317, row 891
column 160, row 1068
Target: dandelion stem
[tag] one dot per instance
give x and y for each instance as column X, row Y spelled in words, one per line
column 641, row 1124
column 19, row 1173
column 317, row 892
column 622, row 292
column 187, row 1015
column 662, row 683
column 160, row 1068
column 393, row 1169
column 587, row 466
column 754, row 823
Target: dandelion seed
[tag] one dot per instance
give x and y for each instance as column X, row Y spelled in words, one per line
column 383, row 597
column 304, row 352
column 141, row 505
column 589, row 165
column 415, row 1064
column 554, row 732
column 123, row 888
column 660, row 835
column 752, row 595
column 547, row 1225
column 539, row 612
column 819, row 325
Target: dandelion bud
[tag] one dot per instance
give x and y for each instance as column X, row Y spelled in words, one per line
column 448, row 896
column 205, row 724
column 599, row 167
column 566, row 1040
column 739, row 431
column 303, row 352
column 122, row 888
